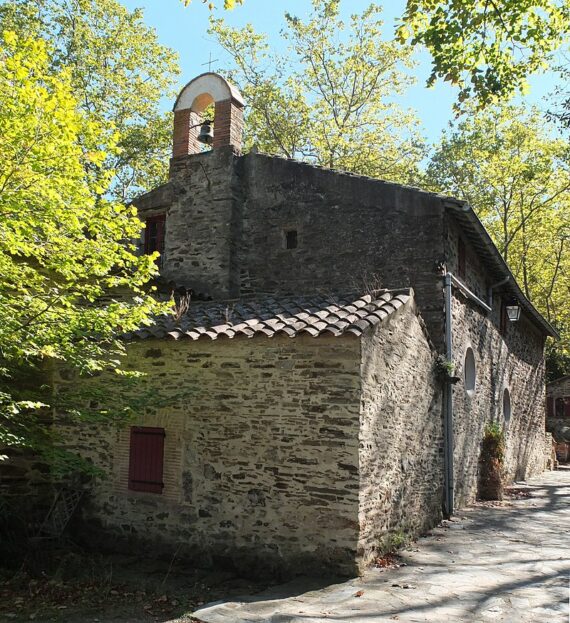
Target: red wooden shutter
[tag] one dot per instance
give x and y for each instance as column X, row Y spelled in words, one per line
column 550, row 406
column 160, row 226
column 567, row 406
column 154, row 234
column 146, row 459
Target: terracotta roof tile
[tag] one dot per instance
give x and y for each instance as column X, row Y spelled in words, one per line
column 313, row 315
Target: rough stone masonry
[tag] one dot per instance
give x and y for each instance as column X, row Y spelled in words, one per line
column 296, row 435
column 280, row 454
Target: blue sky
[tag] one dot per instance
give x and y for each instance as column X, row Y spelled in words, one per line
column 184, row 30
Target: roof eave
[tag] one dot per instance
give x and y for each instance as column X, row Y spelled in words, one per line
column 558, row 380
column 481, row 240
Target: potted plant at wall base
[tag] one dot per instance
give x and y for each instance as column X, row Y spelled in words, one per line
column 491, row 463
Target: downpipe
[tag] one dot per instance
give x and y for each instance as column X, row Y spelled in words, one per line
column 448, row 402
column 493, row 287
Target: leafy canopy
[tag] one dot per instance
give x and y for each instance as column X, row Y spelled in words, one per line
column 70, row 280
column 228, row 4
column 119, row 73
column 516, row 176
column 486, row 47
column 559, row 109
column 331, row 98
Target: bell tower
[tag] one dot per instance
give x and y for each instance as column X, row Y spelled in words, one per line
column 203, row 218
column 208, row 88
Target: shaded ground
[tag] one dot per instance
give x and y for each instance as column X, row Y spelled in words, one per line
column 505, row 561
column 80, row 588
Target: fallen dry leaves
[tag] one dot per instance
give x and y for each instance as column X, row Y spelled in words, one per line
column 29, row 598
column 389, row 561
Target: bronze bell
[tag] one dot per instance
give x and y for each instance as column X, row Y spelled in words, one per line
column 206, row 135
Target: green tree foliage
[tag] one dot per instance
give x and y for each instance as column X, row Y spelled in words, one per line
column 486, row 47
column 559, row 108
column 516, row 176
column 70, row 281
column 119, row 73
column 228, row 4
column 331, row 98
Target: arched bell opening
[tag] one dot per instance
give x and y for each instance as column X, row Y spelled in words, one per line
column 193, row 124
column 201, row 102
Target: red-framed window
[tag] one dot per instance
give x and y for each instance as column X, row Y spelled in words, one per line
column 154, row 234
column 550, row 406
column 461, row 259
column 146, row 458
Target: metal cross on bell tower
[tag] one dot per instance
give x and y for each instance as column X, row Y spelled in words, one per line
column 206, row 135
column 209, row 63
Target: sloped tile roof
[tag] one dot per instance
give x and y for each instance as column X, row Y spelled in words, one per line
column 312, row 315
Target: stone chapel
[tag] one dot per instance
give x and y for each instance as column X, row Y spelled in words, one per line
column 343, row 343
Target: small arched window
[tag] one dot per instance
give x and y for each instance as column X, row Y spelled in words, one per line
column 470, row 372
column 506, row 405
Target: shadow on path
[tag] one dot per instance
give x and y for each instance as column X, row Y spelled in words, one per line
column 508, row 562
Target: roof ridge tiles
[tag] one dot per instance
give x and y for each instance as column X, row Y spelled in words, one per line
column 269, row 315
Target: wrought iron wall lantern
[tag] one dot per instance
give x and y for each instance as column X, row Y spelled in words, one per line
column 513, row 311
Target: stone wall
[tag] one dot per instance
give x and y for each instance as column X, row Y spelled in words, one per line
column 513, row 361
column 281, row 455
column 401, row 434
column 558, row 416
column 261, row 455
column 353, row 232
column 203, row 223
column 226, row 235
column 227, row 220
